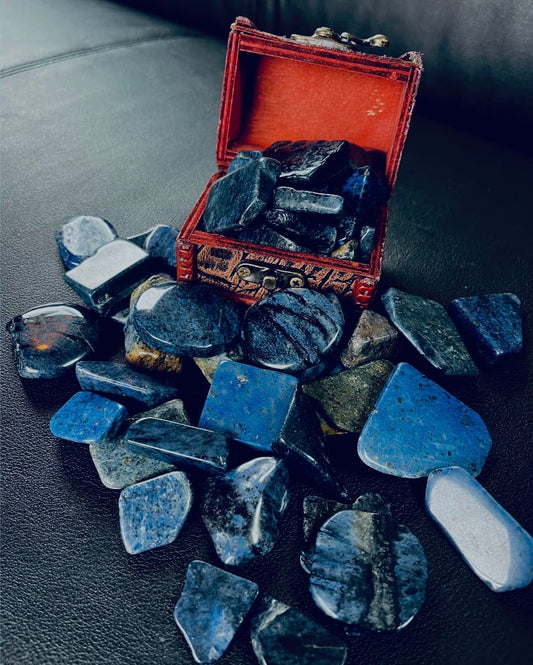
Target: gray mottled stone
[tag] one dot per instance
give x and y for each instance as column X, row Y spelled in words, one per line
column 312, row 231
column 81, row 236
column 299, row 200
column 263, row 234
column 208, row 366
column 374, row 338
column 366, row 243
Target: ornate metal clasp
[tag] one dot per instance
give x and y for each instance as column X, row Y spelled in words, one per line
column 343, row 41
column 270, row 277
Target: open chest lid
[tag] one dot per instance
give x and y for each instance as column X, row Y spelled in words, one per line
column 277, row 88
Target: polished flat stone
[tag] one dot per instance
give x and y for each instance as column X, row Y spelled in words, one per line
column 179, row 444
column 152, row 513
column 87, row 418
column 366, row 243
column 238, row 197
column 249, row 404
column 293, row 330
column 417, row 426
column 186, row 320
column 118, row 466
column 242, row 509
column 492, row 543
column 107, row 278
column 263, row 234
column 309, row 230
column 310, row 162
column 426, row 324
column 243, row 158
column 346, row 399
column 348, row 251
column 283, row 636
column 208, row 366
column 111, row 378
column 50, row 339
column 491, row 325
column 368, row 571
column 300, row 200
column 161, row 245
column 145, row 358
column 373, row 338
column 81, row 236
column 212, row 606
column 364, row 193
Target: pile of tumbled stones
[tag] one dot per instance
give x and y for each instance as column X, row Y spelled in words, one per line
column 283, row 373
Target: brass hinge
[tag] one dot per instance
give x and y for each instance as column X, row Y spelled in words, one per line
column 343, row 41
column 270, row 277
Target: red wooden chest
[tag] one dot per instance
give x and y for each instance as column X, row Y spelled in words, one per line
column 277, row 88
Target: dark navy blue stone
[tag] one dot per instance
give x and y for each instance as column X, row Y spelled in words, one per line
column 87, row 418
column 161, row 244
column 106, row 279
column 368, row 571
column 243, row 509
column 283, row 636
column 263, row 234
column 140, row 238
column 249, row 404
column 243, row 158
column 310, row 163
column 212, row 606
column 417, row 426
column 111, row 378
column 293, row 330
column 80, row 237
column 179, row 444
column 153, row 512
column 191, row 320
column 347, row 228
column 299, row 200
column 311, row 231
column 491, row 325
column 366, row 243
column 427, row 325
column 236, row 199
column 50, row 339
column 364, row 193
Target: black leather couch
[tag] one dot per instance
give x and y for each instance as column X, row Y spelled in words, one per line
column 111, row 111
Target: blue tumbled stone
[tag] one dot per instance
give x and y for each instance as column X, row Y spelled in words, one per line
column 212, row 606
column 366, row 243
column 491, row 325
column 426, row 324
column 140, row 238
column 49, row 340
column 111, row 378
column 243, row 509
column 308, row 230
column 179, row 444
column 492, row 543
column 87, row 418
column 161, row 244
column 368, row 571
column 243, row 158
column 153, row 512
column 191, row 320
column 283, row 636
column 80, row 237
column 417, row 426
column 263, row 234
column 310, row 163
column 364, row 193
column 299, row 200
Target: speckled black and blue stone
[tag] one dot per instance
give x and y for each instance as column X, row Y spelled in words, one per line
column 347, row 228
column 107, row 278
column 313, row 231
column 179, row 444
column 417, row 426
column 426, row 324
column 212, row 606
column 292, row 330
column 186, row 320
column 161, row 245
column 237, row 198
column 243, row 158
column 242, row 510
column 364, row 193
column 283, row 636
column 50, row 339
column 263, row 234
column 368, row 571
column 80, row 237
column 300, row 200
column 491, row 325
column 153, row 512
column 112, row 378
column 87, row 418
column 366, row 243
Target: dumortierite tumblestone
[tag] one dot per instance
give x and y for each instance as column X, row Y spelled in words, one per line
column 243, row 158
column 243, row 509
column 347, row 251
column 191, row 320
column 373, row 338
column 140, row 238
column 81, row 236
column 347, row 228
column 417, row 426
column 364, row 192
column 87, row 418
column 372, row 503
column 310, row 230
column 237, row 198
column 49, row 340
column 153, row 512
column 299, row 200
column 346, row 399
column 111, row 378
column 366, row 243
column 211, row 608
column 310, row 162
column 426, row 324
column 492, row 542
column 179, row 444
column 161, row 244
column 368, row 571
column 263, row 234
column 491, row 325
column 292, row 330
column 107, row 278
column 144, row 357
column 283, row 636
